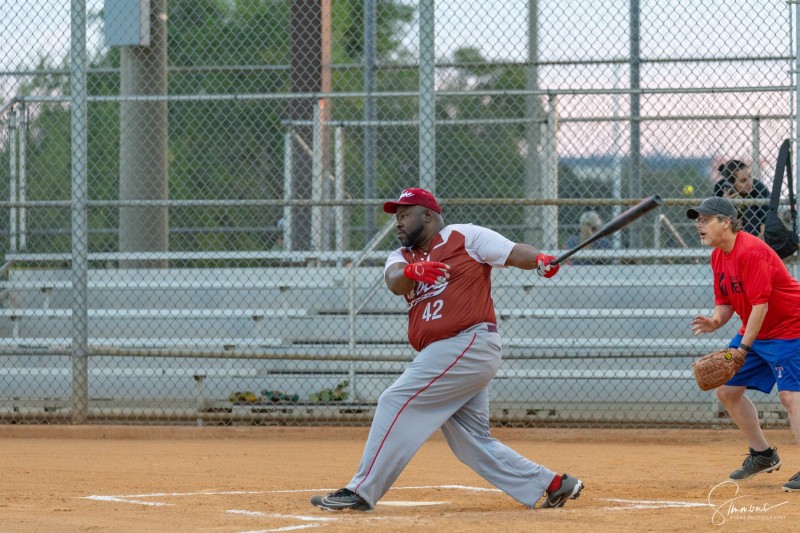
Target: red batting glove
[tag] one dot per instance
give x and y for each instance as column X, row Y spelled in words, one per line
column 427, row 272
column 545, row 269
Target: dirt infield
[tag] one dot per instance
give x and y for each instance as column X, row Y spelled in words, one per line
column 236, row 479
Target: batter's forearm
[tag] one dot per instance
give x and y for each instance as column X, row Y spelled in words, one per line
column 397, row 282
column 523, row 256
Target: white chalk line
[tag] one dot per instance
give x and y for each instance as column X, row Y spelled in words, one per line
column 627, row 505
column 278, row 515
column 130, row 497
column 317, row 521
column 287, row 528
column 137, row 498
column 124, row 499
column 650, row 504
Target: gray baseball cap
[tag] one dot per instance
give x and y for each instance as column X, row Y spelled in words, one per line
column 714, row 206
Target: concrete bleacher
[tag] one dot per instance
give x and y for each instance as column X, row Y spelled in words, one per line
column 621, row 330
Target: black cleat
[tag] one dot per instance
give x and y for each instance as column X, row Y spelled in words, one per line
column 570, row 489
column 756, row 464
column 341, row 500
column 793, row 485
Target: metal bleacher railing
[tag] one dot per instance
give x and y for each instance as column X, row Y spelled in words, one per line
column 612, row 325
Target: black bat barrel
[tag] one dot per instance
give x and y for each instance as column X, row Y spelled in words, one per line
column 614, row 225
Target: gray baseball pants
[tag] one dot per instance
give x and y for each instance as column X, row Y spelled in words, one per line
column 447, row 387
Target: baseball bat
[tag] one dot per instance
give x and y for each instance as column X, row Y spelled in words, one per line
column 613, row 225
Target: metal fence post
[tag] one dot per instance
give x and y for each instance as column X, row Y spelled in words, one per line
column 340, row 211
column 370, row 113
column 532, row 188
column 616, row 155
column 550, row 176
column 288, row 226
column 317, row 184
column 796, row 86
column 755, row 127
column 80, row 233
column 12, row 180
column 635, row 172
column 23, row 180
column 427, row 97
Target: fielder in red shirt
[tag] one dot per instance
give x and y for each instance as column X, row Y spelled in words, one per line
column 444, row 274
column 751, row 280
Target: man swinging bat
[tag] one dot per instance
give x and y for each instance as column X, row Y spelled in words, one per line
column 444, row 274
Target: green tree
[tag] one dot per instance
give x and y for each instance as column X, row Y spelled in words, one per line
column 218, row 149
column 484, row 156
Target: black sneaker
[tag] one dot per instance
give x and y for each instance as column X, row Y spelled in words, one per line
column 570, row 489
column 756, row 464
column 340, row 500
column 793, row 485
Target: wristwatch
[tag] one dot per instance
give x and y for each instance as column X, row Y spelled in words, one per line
column 744, row 347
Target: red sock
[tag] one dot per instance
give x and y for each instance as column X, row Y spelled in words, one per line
column 555, row 484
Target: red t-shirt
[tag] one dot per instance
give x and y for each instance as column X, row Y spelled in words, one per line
column 440, row 312
column 752, row 274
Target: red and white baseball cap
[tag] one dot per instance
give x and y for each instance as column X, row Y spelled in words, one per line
column 414, row 196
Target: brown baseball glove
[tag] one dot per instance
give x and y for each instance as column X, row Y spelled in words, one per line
column 716, row 368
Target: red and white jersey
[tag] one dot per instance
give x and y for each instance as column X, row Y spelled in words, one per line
column 752, row 274
column 438, row 312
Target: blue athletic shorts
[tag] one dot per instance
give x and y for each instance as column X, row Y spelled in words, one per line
column 769, row 362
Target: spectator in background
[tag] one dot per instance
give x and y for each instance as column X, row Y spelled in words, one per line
column 785, row 214
column 737, row 183
column 279, row 245
column 590, row 222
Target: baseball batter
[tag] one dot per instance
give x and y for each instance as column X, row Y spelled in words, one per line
column 444, row 274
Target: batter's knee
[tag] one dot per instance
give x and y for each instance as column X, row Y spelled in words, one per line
column 390, row 397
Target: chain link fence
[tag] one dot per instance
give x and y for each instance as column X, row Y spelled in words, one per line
column 192, row 230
